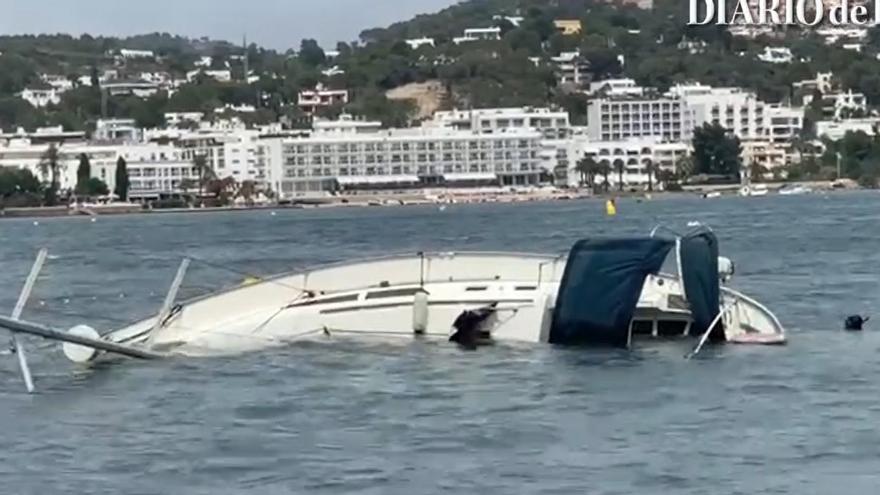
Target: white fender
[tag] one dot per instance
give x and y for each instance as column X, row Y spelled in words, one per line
column 420, row 312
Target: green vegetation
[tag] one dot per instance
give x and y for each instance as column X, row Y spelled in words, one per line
column 50, row 167
column 122, row 182
column 86, row 185
column 475, row 74
column 19, row 187
column 716, row 152
column 515, row 70
column 92, row 187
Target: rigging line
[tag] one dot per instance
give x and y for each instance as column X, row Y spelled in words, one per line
column 275, row 314
column 249, row 275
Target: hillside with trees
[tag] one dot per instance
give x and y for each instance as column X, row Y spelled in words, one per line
column 512, row 71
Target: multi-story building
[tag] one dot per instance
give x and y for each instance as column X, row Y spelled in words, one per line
column 763, row 153
column 571, row 68
column 43, row 135
column 117, row 130
column 776, row 55
column 175, row 119
column 635, row 158
column 784, row 124
column 30, row 153
column 837, row 129
column 824, row 83
column 615, row 119
column 232, row 152
column 310, row 100
column 615, row 88
column 416, row 43
column 479, row 34
column 139, row 88
column 841, row 104
column 132, row 54
column 568, row 27
column 157, row 170
column 346, row 124
column 734, row 109
column 403, row 158
column 552, row 124
column 40, row 97
column 222, row 75
column 59, row 82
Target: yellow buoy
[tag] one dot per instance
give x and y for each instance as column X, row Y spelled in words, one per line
column 610, row 208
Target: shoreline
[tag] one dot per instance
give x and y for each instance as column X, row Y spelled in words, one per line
column 392, row 199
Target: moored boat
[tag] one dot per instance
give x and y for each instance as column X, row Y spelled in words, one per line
column 754, row 190
column 795, row 190
column 605, row 291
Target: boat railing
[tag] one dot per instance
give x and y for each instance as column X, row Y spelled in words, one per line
column 418, row 276
column 427, row 255
column 705, row 337
column 737, row 295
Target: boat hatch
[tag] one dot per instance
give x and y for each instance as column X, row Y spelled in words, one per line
column 676, row 301
column 393, row 293
column 325, row 300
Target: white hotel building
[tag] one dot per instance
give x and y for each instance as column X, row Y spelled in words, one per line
column 637, row 156
column 554, row 126
column 614, row 119
column 673, row 117
column 400, row 159
column 551, row 124
column 741, row 112
column 154, row 170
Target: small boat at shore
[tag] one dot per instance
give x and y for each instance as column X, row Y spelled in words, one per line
column 795, row 190
column 754, row 190
column 603, row 292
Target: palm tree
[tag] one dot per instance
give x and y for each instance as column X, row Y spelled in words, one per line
column 185, row 185
column 665, row 177
column 247, row 190
column 619, row 166
column 651, row 168
column 49, row 166
column 587, row 167
column 684, row 167
column 204, row 172
column 604, row 169
column 221, row 189
column 756, row 171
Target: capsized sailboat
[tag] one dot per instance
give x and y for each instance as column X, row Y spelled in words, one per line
column 603, row 292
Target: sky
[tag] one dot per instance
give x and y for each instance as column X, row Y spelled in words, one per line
column 278, row 24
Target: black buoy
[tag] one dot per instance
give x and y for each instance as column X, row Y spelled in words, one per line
column 855, row 323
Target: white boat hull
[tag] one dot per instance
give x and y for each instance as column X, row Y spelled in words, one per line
column 377, row 298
